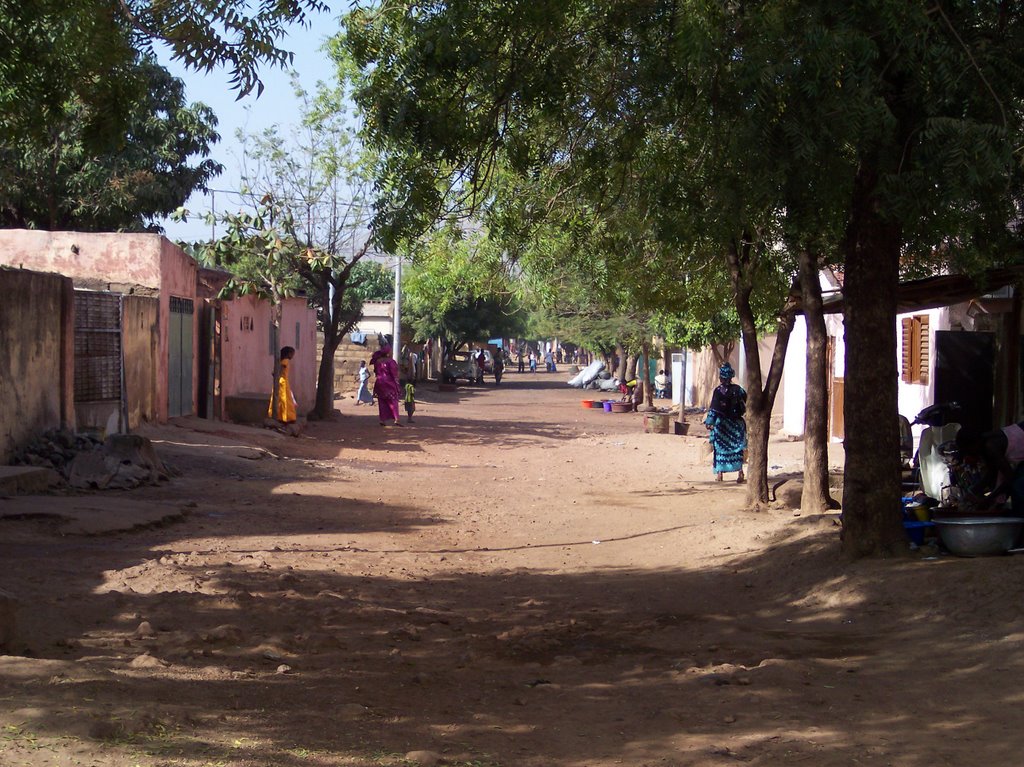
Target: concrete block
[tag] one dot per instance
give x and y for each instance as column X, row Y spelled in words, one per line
column 27, row 480
column 248, row 408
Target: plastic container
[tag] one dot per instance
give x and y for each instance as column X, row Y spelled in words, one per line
column 607, row 405
column 916, row 530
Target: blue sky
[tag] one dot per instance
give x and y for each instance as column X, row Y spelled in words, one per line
column 277, row 105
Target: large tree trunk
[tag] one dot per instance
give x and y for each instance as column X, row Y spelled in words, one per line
column 760, row 399
column 620, row 372
column 815, row 498
column 871, row 488
column 324, row 407
column 329, row 310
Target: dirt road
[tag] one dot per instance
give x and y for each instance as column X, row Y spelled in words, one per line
column 509, row 581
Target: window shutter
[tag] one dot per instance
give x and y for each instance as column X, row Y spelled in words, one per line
column 923, row 348
column 908, row 350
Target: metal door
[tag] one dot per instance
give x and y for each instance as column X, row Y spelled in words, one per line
column 964, row 365
column 99, row 379
column 179, row 362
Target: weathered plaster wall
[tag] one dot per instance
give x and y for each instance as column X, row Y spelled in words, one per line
column 702, row 375
column 378, row 317
column 36, row 316
column 140, row 337
column 95, row 261
column 178, row 273
column 246, row 355
column 145, row 264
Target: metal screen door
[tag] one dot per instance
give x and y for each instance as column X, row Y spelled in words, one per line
column 179, row 362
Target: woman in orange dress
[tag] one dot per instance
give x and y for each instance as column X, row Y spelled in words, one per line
column 285, row 399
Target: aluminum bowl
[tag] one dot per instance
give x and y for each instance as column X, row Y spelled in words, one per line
column 979, row 536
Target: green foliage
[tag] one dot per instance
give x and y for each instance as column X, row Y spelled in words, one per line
column 238, row 34
column 261, row 251
column 372, row 281
column 58, row 52
column 456, row 290
column 145, row 172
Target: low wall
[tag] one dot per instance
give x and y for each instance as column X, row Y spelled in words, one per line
column 36, row 356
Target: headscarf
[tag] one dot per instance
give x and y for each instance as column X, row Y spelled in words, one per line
column 726, row 373
column 384, row 351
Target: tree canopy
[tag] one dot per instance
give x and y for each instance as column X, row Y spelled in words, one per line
column 878, row 134
column 53, row 51
column 142, row 173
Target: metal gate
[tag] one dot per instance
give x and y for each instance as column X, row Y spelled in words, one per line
column 179, row 363
column 97, row 346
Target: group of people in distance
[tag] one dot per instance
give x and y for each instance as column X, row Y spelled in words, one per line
column 727, row 430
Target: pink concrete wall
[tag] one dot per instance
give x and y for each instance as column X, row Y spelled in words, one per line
column 177, row 278
column 117, row 259
column 118, row 262
column 247, row 364
column 304, row 366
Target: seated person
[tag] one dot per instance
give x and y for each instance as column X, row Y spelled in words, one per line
column 662, row 385
column 1000, row 454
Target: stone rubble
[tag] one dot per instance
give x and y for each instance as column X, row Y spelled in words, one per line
column 120, row 462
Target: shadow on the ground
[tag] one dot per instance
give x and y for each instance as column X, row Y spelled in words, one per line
column 727, row 653
column 785, row 655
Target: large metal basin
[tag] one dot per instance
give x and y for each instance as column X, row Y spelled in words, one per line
column 979, row 536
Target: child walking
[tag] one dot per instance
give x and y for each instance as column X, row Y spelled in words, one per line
column 410, row 400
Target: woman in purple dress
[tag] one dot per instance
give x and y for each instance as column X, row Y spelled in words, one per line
column 386, row 387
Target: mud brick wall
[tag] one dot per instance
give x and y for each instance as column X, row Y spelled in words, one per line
column 36, row 356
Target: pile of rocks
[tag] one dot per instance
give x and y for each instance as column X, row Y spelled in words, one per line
column 56, row 449
column 121, row 461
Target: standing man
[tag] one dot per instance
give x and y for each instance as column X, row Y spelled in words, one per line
column 499, row 365
column 481, row 358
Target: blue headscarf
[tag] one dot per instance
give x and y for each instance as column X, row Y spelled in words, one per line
column 726, row 373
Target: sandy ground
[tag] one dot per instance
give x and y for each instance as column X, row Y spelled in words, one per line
column 511, row 580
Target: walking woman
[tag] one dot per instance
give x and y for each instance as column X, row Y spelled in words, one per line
column 727, row 430
column 285, row 399
column 363, row 396
column 386, row 388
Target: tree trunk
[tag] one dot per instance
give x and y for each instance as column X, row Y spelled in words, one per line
column 760, row 400
column 324, row 407
column 275, row 316
column 329, row 312
column 648, row 387
column 620, row 373
column 815, row 498
column 871, row 488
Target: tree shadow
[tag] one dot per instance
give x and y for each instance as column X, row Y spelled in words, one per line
column 783, row 655
column 745, row 660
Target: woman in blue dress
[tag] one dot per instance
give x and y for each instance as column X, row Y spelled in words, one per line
column 727, row 430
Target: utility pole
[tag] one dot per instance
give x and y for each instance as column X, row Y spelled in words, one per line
column 396, row 343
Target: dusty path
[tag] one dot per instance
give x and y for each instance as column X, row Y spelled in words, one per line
column 512, row 580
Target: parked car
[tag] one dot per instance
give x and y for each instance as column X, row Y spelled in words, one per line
column 460, row 365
